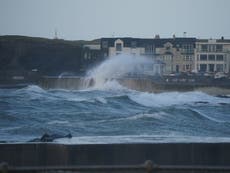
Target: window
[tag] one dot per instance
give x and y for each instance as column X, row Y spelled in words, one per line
column 177, row 47
column 203, row 67
column 219, row 67
column 211, row 67
column 149, row 49
column 187, row 67
column 211, row 48
column 203, row 57
column 118, row 47
column 187, row 48
column 177, row 68
column 187, row 58
column 219, row 57
column 219, row 47
column 211, row 57
column 204, row 47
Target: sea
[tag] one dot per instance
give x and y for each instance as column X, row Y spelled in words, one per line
column 111, row 113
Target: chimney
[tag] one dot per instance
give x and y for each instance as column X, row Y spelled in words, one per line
column 174, row 36
column 157, row 36
column 222, row 38
column 184, row 34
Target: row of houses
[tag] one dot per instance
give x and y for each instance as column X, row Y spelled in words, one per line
column 173, row 55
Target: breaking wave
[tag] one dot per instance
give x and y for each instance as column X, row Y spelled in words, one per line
column 175, row 98
column 113, row 110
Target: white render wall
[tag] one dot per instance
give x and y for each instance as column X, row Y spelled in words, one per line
column 125, row 50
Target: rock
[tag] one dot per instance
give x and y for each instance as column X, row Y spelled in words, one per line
column 50, row 137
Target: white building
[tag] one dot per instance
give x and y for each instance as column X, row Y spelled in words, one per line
column 212, row 56
column 120, row 48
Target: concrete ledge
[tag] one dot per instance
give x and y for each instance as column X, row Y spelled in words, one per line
column 50, row 154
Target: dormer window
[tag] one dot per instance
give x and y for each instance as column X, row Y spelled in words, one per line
column 119, row 44
column 118, row 47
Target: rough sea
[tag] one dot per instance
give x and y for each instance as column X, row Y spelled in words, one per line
column 111, row 113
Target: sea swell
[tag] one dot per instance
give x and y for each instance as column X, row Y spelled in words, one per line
column 112, row 111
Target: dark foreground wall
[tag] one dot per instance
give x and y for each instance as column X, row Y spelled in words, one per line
column 214, row 154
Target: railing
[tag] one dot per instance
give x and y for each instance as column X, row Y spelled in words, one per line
column 147, row 167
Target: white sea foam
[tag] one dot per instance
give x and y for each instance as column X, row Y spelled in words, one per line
column 174, row 98
column 58, row 122
column 140, row 139
column 32, row 92
column 208, row 117
column 157, row 115
column 32, row 88
column 102, row 100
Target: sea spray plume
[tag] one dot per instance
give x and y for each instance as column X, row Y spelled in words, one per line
column 117, row 66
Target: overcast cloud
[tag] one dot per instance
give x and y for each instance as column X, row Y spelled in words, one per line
column 90, row 19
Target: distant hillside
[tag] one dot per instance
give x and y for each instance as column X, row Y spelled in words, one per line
column 21, row 54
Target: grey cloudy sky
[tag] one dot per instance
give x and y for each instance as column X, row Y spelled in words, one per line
column 90, row 19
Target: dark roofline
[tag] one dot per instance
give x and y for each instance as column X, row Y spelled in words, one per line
column 157, row 42
column 133, row 38
column 217, row 40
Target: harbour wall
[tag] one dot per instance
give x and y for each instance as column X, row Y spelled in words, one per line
column 49, row 82
column 140, row 84
column 144, row 84
column 51, row 154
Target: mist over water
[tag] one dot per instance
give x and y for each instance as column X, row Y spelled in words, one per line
column 107, row 112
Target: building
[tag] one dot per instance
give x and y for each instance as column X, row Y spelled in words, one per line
column 176, row 53
column 212, row 55
column 126, row 45
column 133, row 46
column 91, row 55
column 171, row 55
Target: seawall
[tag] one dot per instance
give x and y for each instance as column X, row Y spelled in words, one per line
column 49, row 82
column 51, row 154
column 144, row 84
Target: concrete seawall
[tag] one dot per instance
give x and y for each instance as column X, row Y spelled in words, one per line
column 143, row 84
column 140, row 84
column 148, row 85
column 61, row 83
column 50, row 154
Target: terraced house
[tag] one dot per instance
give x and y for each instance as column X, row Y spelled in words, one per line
column 170, row 55
column 177, row 54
